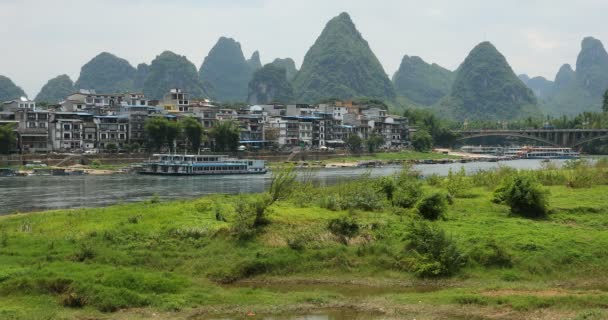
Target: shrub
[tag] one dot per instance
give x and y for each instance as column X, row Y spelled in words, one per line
column 282, row 183
column 85, row 252
column 251, row 214
column 387, row 186
column 491, row 254
column 433, row 207
column 434, row 180
column 407, row 194
column 134, row 219
column 582, row 177
column 524, row 196
column 435, row 254
column 344, row 228
column 458, row 184
column 330, row 202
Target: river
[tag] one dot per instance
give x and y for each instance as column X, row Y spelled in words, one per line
column 36, row 193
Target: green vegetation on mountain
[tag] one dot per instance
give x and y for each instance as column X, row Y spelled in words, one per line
column 106, row 73
column 254, row 62
column 270, row 84
column 289, row 65
column 170, row 70
column 421, row 82
column 140, row 76
column 541, row 87
column 341, row 65
column 227, row 71
column 486, row 88
column 9, row 90
column 371, row 244
column 565, row 77
column 56, row 90
column 581, row 90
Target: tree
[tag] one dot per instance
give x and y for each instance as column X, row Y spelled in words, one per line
column 193, row 131
column 156, row 131
column 111, row 147
column 174, row 131
column 354, row 143
column 7, row 139
column 226, row 135
column 605, row 106
column 422, row 141
column 373, row 142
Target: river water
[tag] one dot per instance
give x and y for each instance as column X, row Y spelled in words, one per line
column 36, row 193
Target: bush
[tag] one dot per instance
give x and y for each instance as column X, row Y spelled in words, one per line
column 251, row 214
column 490, row 254
column 407, row 194
column 582, row 177
column 433, row 207
column 387, row 186
column 344, row 228
column 524, row 196
column 330, row 202
column 458, row 184
column 435, row 254
column 282, row 183
column 85, row 252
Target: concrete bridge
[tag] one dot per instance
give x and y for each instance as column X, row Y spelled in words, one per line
column 553, row 137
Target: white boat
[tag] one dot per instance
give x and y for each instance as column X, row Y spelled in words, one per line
column 173, row 164
column 548, row 153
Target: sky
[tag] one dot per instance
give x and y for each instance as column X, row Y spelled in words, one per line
column 41, row 39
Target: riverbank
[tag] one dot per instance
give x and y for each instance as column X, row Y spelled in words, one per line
column 205, row 258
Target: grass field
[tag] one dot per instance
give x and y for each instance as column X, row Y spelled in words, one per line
column 196, row 258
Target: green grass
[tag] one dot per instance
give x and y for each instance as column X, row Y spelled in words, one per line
column 174, row 257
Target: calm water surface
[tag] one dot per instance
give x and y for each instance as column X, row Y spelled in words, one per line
column 19, row 194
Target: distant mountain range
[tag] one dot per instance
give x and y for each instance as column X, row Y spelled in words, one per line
column 575, row 91
column 341, row 65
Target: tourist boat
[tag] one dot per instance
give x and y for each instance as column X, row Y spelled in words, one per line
column 548, row 153
column 173, row 164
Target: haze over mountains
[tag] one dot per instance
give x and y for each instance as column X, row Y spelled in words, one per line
column 341, row 64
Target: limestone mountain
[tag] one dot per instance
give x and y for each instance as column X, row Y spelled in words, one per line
column 592, row 67
column 270, row 84
column 169, row 70
column 565, row 77
column 486, row 88
column 140, row 76
column 106, row 73
column 56, row 90
column 289, row 65
column 541, row 87
column 9, row 90
column 227, row 71
column 421, row 82
column 580, row 90
column 340, row 64
column 254, row 62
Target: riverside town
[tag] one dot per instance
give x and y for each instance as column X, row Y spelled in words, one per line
column 303, row 160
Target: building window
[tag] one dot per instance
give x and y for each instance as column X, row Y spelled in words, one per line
column 122, row 127
column 112, row 136
column 66, row 136
column 76, row 127
column 104, row 136
column 76, row 136
column 121, row 136
column 66, row 127
column 90, row 136
column 31, row 124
